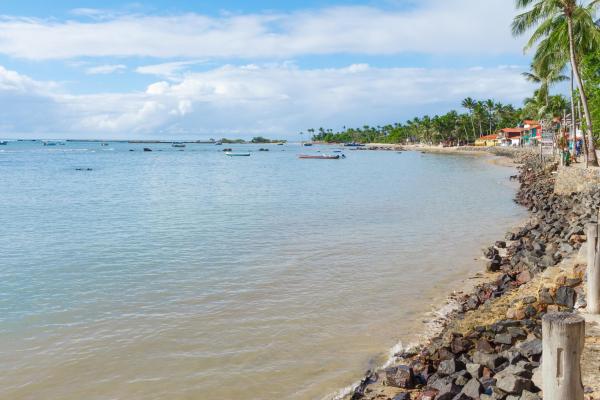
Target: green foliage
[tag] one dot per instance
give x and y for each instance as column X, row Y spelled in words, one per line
column 590, row 71
column 260, row 139
column 483, row 117
column 232, row 141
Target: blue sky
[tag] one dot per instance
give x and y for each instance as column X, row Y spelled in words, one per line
column 180, row 69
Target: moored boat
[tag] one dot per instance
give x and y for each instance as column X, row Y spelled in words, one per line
column 320, row 156
column 237, row 154
column 178, row 145
column 3, row 142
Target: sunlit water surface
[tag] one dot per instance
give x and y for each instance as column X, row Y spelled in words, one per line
column 193, row 275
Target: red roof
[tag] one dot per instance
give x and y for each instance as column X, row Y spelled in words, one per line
column 513, row 130
column 489, row 137
column 530, row 122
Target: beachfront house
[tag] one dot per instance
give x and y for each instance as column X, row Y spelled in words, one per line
column 487, row 141
column 532, row 133
column 510, row 137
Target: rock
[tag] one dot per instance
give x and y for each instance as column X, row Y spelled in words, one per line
column 545, row 296
column 529, row 300
column 472, row 389
column 449, row 367
column 490, row 252
column 565, row 296
column 484, row 346
column 517, row 333
column 460, row 345
column 531, row 348
column 461, row 396
column 503, row 338
column 402, row 396
column 512, row 384
column 493, row 265
column 474, row 370
column 401, row 376
column 523, row 277
column 428, row 394
column 500, row 244
column 572, row 282
column 491, row 361
column 446, row 388
column 527, row 395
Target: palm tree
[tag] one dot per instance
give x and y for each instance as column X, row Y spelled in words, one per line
column 545, row 76
column 550, row 18
column 470, row 104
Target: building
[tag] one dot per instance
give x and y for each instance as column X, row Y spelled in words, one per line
column 532, row 133
column 511, row 136
column 487, row 141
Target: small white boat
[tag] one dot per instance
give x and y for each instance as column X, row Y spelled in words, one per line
column 48, row 143
column 178, row 145
column 3, row 142
column 237, row 154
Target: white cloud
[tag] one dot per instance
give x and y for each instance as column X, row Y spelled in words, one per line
column 105, row 69
column 434, row 27
column 275, row 100
column 170, row 70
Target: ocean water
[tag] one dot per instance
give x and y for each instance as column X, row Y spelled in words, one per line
column 193, row 275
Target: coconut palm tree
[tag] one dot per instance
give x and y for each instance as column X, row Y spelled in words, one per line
column 470, row 104
column 550, row 18
column 546, row 76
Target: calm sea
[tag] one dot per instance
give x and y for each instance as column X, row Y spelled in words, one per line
column 193, row 275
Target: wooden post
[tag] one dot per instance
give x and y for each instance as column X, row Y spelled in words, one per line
column 593, row 269
column 563, row 336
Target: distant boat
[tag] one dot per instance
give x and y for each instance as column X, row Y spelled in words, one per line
column 47, row 143
column 218, row 144
column 320, row 156
column 3, row 142
column 307, row 144
column 178, row 145
column 263, row 149
column 103, row 144
column 147, row 149
column 237, row 154
column 279, row 144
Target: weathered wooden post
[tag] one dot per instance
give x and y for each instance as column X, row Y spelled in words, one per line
column 593, row 269
column 563, row 336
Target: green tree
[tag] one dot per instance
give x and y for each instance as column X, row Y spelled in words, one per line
column 550, row 17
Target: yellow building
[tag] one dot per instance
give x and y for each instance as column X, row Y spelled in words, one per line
column 487, row 141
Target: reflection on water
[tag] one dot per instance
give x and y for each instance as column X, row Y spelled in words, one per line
column 180, row 275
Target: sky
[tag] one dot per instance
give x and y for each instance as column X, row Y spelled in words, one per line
column 177, row 69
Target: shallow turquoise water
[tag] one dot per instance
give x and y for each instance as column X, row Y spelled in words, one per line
column 192, row 275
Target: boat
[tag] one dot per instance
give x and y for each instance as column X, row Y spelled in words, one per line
column 3, row 142
column 47, row 143
column 147, row 149
column 307, row 144
column 237, row 154
column 103, row 144
column 263, row 149
column 321, row 156
column 178, row 145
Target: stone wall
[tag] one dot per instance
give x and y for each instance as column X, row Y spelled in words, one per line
column 576, row 179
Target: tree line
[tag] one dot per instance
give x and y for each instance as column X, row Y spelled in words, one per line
column 565, row 42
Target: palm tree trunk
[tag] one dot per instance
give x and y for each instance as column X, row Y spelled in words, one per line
column 592, row 159
column 573, row 125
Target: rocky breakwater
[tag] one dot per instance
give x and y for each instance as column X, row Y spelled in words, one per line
column 491, row 344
